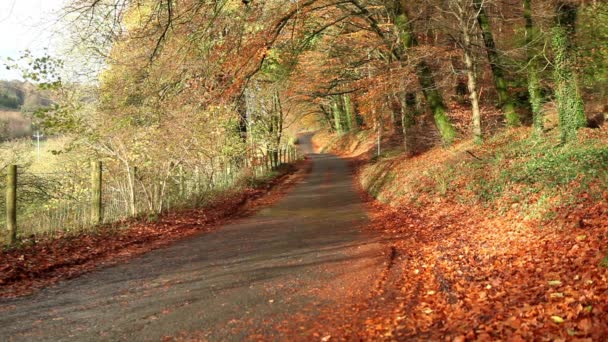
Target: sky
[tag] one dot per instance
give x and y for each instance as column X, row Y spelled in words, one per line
column 27, row 24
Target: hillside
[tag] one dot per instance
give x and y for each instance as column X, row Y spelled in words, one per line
column 17, row 99
column 14, row 124
column 21, row 96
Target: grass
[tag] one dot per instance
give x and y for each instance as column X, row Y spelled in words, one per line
column 27, row 152
column 604, row 262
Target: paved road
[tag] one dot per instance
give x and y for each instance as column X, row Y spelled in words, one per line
column 279, row 267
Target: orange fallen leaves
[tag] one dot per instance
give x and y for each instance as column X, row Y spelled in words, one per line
column 468, row 275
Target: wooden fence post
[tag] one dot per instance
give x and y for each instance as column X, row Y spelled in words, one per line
column 96, row 204
column 11, row 204
column 133, row 186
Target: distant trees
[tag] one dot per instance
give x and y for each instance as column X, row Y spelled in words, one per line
column 9, row 102
column 21, row 96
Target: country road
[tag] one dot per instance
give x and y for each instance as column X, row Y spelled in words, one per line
column 253, row 278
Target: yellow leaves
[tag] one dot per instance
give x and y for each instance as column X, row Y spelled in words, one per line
column 137, row 16
column 557, row 319
column 554, row 282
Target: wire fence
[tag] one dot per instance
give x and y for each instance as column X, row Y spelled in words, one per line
column 63, row 203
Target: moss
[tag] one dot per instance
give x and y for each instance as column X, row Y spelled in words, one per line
column 569, row 101
column 604, row 262
column 446, row 129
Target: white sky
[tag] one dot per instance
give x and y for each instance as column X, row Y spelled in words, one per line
column 27, row 24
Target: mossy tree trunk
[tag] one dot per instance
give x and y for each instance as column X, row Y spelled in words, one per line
column 407, row 122
column 424, row 72
column 570, row 106
column 277, row 123
column 505, row 100
column 534, row 91
column 351, row 120
column 328, row 116
column 337, row 113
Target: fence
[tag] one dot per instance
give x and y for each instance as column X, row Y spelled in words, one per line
column 54, row 202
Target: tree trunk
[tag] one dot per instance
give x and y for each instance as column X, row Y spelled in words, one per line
column 327, row 115
column 472, row 85
column 407, row 122
column 433, row 97
column 567, row 95
column 505, row 100
column 351, row 121
column 379, row 138
column 534, row 91
column 335, row 108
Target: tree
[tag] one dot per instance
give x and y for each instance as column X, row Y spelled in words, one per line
column 532, row 67
column 504, row 98
column 567, row 94
column 466, row 14
column 407, row 40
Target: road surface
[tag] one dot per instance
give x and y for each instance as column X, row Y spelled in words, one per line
column 249, row 279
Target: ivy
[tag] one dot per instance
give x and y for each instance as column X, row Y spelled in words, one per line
column 570, row 108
